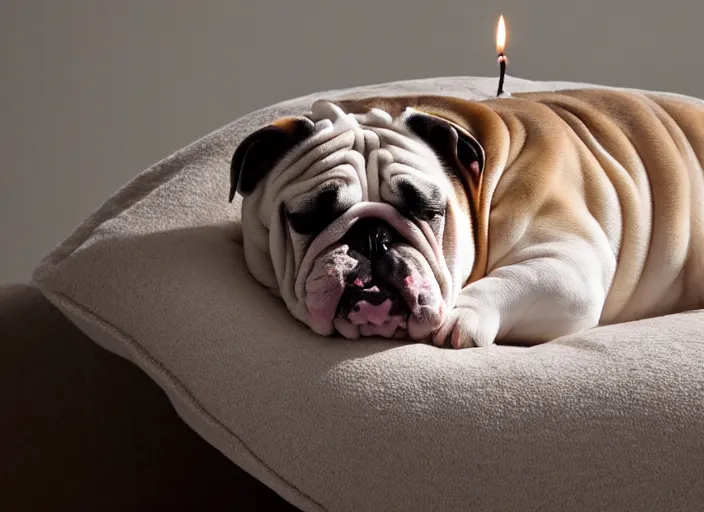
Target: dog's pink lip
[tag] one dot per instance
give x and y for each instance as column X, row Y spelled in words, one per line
column 392, row 328
column 364, row 312
column 375, row 295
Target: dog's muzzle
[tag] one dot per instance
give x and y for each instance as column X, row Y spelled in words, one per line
column 370, row 299
column 375, row 279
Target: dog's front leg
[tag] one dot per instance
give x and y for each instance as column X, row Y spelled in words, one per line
column 553, row 290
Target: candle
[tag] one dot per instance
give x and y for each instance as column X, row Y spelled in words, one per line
column 500, row 48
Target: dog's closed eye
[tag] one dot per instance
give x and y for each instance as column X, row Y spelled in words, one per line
column 312, row 215
column 423, row 206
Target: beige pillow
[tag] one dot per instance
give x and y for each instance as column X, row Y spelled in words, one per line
column 612, row 419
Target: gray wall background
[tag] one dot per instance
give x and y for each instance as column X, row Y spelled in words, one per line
column 93, row 92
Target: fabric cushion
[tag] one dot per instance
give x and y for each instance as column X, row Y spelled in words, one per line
column 607, row 419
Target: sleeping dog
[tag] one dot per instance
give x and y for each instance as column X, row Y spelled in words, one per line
column 515, row 220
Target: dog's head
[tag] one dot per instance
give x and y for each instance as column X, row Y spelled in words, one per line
column 361, row 217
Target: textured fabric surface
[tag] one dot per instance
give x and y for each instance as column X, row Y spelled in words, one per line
column 608, row 419
column 84, row 430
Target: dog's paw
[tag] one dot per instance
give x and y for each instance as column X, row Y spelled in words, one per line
column 465, row 327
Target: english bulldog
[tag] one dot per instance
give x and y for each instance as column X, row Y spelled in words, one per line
column 464, row 223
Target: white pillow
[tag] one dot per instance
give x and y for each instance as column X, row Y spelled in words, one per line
column 612, row 419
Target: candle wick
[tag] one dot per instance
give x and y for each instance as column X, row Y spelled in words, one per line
column 502, row 73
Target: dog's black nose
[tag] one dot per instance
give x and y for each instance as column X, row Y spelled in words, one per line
column 371, row 237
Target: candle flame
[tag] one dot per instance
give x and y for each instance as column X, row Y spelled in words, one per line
column 501, row 36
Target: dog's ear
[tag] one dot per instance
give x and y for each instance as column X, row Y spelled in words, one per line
column 454, row 145
column 260, row 151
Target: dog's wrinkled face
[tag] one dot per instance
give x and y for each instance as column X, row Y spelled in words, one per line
column 362, row 223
